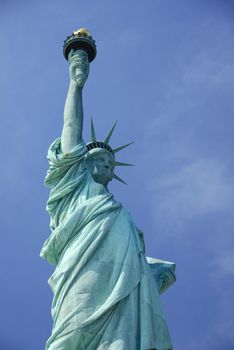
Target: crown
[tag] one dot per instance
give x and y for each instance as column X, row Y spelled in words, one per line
column 80, row 39
column 95, row 145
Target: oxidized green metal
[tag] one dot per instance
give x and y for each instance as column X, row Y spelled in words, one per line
column 106, row 292
column 80, row 39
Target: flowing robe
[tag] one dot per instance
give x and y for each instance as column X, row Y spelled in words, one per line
column 105, row 295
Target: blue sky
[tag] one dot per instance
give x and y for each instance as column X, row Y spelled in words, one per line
column 165, row 71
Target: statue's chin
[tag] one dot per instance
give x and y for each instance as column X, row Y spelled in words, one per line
column 100, row 178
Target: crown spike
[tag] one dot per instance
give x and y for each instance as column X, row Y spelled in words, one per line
column 107, row 139
column 123, row 164
column 119, row 179
column 121, row 147
column 93, row 136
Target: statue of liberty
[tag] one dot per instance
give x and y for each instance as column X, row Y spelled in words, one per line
column 106, row 292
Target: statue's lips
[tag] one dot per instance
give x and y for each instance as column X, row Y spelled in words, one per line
column 100, row 172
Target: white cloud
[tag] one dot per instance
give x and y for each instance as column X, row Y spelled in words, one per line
column 192, row 183
column 200, row 187
column 210, row 70
column 224, row 264
column 212, row 63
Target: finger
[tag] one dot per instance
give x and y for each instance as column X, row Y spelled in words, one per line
column 70, row 54
column 74, row 65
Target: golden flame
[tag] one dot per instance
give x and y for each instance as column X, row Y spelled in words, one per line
column 82, row 31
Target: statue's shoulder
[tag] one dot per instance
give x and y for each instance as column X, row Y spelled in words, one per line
column 56, row 155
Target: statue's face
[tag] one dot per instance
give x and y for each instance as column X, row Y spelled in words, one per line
column 101, row 167
column 79, row 62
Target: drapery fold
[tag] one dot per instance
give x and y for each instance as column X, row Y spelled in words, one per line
column 105, row 295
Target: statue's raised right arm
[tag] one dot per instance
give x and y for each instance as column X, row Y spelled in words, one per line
column 73, row 110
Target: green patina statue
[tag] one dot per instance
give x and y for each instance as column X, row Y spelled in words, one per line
column 106, row 292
